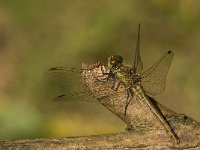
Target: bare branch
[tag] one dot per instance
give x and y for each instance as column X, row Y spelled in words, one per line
column 187, row 129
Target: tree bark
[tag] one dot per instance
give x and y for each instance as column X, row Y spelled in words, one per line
column 189, row 135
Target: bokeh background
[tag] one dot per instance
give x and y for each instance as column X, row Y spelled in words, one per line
column 36, row 35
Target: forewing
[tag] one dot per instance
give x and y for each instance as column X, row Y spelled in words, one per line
column 138, row 61
column 63, row 75
column 72, row 78
column 153, row 80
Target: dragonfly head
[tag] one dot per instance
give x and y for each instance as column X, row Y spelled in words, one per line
column 115, row 61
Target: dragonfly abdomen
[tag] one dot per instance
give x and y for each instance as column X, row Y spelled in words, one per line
column 125, row 78
column 141, row 96
column 138, row 91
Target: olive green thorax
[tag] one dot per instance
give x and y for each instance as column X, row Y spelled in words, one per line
column 124, row 73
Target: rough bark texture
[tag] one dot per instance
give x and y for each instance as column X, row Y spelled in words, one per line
column 147, row 131
column 189, row 135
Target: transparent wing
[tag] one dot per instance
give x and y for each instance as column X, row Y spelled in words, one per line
column 76, row 97
column 77, row 91
column 153, row 80
column 138, row 61
column 64, row 75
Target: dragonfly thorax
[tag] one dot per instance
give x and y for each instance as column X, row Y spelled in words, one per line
column 135, row 78
column 126, row 74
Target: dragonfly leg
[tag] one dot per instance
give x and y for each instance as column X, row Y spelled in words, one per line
column 105, row 73
column 115, row 85
column 129, row 128
column 127, row 100
column 108, row 75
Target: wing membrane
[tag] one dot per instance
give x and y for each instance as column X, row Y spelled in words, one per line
column 72, row 78
column 153, row 80
column 138, row 61
column 76, row 97
column 63, row 75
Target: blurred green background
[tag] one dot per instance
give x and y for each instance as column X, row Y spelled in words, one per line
column 36, row 35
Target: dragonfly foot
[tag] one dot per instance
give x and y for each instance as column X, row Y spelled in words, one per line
column 129, row 128
column 125, row 110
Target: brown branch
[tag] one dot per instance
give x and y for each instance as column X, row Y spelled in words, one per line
column 188, row 131
column 146, row 132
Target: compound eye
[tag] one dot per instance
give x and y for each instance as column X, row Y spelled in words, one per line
column 112, row 60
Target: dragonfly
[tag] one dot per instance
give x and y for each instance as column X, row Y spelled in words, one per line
column 137, row 83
